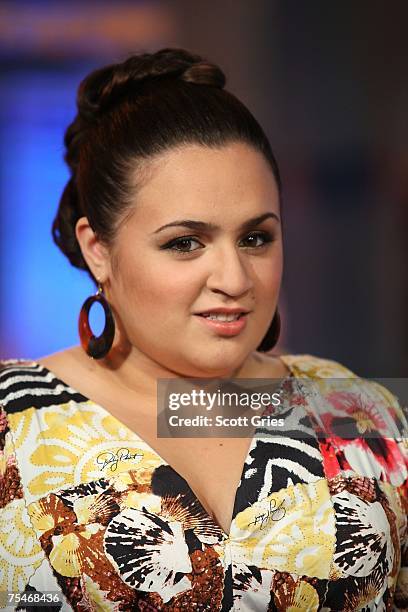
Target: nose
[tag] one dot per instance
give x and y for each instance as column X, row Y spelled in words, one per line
column 230, row 273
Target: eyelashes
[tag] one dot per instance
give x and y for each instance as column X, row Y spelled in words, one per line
column 177, row 245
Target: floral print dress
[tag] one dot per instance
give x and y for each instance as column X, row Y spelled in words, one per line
column 90, row 512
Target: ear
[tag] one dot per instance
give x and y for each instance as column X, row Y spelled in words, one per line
column 94, row 252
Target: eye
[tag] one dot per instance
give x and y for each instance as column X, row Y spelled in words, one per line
column 181, row 245
column 264, row 236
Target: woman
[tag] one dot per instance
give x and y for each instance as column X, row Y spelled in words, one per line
column 173, row 208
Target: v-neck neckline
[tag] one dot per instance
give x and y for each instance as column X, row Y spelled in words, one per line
column 251, row 446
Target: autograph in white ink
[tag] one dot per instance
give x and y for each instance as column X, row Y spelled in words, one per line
column 111, row 459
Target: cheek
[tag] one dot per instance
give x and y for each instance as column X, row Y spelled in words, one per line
column 269, row 274
column 156, row 288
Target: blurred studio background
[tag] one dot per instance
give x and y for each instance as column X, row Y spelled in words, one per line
column 327, row 81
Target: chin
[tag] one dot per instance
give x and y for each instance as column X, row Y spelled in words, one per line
column 221, row 363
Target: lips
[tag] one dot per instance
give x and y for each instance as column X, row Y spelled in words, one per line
column 223, row 311
column 224, row 328
column 209, row 314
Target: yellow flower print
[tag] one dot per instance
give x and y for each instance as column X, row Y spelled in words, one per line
column 395, row 503
column 151, row 502
column 21, row 423
column 74, row 537
column 297, row 597
column 20, row 551
column 292, row 530
column 76, row 552
column 74, row 446
column 309, row 366
column 49, row 512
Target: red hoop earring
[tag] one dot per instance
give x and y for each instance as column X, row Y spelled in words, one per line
column 96, row 346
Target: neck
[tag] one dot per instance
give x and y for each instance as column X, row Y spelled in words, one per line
column 135, row 372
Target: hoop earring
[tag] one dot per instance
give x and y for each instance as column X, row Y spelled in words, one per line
column 272, row 335
column 96, row 346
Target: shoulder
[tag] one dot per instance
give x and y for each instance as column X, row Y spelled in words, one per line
column 9, row 364
column 26, row 384
column 11, row 489
column 343, row 386
column 13, row 371
column 311, row 366
column 319, row 369
column 20, row 380
column 340, row 384
column 299, row 365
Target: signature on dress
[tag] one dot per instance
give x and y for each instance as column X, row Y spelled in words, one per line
column 274, row 513
column 111, row 459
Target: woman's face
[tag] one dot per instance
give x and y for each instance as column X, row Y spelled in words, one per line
column 166, row 271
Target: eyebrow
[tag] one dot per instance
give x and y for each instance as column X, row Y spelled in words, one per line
column 202, row 225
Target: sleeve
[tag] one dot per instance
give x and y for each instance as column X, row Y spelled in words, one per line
column 399, row 416
column 20, row 551
column 401, row 591
column 320, row 370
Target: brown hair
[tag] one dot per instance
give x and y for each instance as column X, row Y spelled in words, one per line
column 128, row 113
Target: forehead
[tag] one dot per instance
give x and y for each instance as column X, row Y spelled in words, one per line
column 194, row 179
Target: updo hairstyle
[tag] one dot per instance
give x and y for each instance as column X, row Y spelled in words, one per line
column 129, row 112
